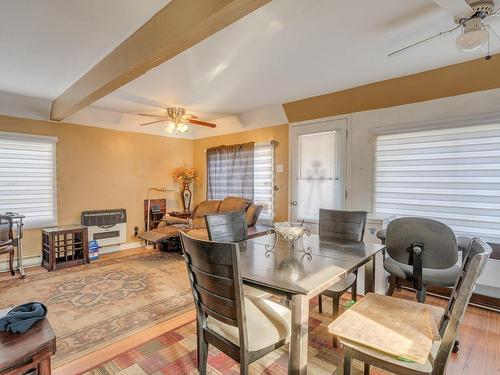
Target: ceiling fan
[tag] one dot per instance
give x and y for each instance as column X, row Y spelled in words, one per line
column 177, row 120
column 469, row 17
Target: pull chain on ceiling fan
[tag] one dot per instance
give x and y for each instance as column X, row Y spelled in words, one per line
column 469, row 16
column 177, row 120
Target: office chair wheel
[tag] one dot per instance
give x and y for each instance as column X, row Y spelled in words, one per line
column 456, row 347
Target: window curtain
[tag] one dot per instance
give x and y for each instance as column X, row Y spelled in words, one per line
column 230, row 171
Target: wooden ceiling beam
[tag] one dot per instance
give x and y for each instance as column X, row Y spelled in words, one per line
column 178, row 26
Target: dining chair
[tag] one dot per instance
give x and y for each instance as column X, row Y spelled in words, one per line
column 6, row 240
column 227, row 227
column 446, row 330
column 422, row 251
column 335, row 225
column 243, row 328
column 232, row 227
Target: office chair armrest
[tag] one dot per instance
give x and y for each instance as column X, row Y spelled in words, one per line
column 417, row 249
column 381, row 236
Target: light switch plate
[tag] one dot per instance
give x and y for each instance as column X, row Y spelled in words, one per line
column 279, row 168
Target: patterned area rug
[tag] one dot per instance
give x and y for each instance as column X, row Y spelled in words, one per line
column 93, row 305
column 175, row 353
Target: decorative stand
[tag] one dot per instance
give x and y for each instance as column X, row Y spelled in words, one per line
column 64, row 247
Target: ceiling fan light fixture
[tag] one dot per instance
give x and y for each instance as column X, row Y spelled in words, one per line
column 182, row 128
column 170, row 127
column 472, row 40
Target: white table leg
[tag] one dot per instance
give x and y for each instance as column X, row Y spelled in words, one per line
column 299, row 337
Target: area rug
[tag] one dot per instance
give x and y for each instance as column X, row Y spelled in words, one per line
column 94, row 305
column 175, row 353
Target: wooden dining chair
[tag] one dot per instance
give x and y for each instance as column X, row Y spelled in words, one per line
column 337, row 225
column 446, row 330
column 6, row 240
column 227, row 227
column 244, row 329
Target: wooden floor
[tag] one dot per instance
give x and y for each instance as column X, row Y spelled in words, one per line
column 479, row 335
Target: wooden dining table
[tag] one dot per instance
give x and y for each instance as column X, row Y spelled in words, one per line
column 300, row 276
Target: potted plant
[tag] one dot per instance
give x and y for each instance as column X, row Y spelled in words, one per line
column 185, row 177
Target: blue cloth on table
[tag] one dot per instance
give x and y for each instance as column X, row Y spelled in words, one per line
column 21, row 318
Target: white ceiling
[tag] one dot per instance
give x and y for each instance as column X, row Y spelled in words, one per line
column 286, row 50
column 46, row 45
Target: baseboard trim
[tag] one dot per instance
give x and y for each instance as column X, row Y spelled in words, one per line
column 36, row 260
column 29, row 261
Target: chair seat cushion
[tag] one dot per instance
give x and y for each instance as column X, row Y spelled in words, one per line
column 424, row 368
column 438, row 277
column 251, row 292
column 267, row 324
column 341, row 286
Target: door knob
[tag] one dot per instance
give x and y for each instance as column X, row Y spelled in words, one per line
column 293, row 203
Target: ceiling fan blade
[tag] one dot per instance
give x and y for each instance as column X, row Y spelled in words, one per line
column 152, row 122
column 155, row 116
column 458, row 8
column 202, row 123
column 423, row 41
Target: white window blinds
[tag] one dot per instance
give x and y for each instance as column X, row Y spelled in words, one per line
column 451, row 175
column 28, row 178
column 264, row 179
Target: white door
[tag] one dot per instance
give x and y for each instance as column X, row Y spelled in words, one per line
column 318, row 168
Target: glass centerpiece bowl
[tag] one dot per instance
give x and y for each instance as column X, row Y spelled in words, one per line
column 292, row 232
column 289, row 230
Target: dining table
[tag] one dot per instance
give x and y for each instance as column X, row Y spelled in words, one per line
column 302, row 272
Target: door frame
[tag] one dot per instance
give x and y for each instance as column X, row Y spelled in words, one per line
column 346, row 173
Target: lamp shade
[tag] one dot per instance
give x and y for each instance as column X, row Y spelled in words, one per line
column 472, row 40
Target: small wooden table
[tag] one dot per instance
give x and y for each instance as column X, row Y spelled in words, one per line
column 64, row 247
column 20, row 352
column 300, row 277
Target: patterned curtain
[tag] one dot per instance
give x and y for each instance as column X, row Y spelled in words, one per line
column 230, row 171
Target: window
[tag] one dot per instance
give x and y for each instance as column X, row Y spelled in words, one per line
column 451, row 175
column 264, row 180
column 28, row 178
column 244, row 171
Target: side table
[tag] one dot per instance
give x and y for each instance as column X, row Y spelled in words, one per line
column 22, row 352
column 64, row 247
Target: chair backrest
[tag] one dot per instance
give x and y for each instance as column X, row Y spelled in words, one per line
column 440, row 248
column 213, row 269
column 5, row 229
column 227, row 227
column 342, row 225
column 475, row 261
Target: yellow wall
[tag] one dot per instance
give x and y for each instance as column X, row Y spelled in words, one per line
column 100, row 168
column 457, row 79
column 275, row 133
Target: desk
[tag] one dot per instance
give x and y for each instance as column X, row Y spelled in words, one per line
column 300, row 277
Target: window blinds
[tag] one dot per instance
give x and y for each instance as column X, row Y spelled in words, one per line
column 264, row 179
column 28, row 178
column 451, row 175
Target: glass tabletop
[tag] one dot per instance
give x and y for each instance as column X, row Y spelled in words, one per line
column 294, row 271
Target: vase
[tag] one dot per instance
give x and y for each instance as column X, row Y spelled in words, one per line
column 186, row 196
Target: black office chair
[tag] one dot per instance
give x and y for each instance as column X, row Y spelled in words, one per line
column 422, row 251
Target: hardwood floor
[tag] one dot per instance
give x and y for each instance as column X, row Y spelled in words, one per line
column 479, row 334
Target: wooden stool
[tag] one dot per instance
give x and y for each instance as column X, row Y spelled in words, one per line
column 21, row 352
